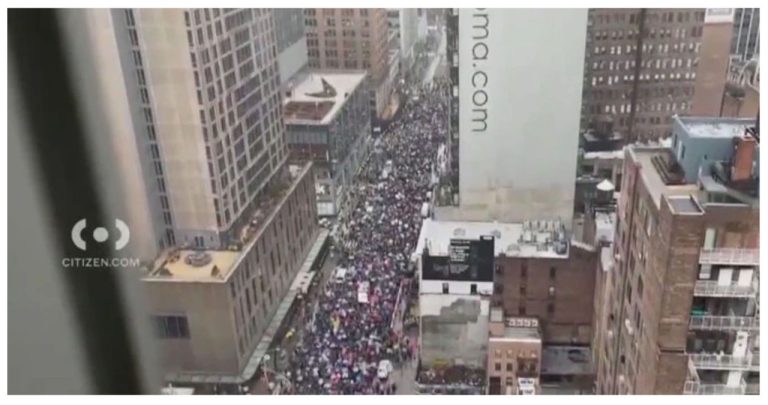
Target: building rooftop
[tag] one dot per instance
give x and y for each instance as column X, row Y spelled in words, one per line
column 215, row 265
column 192, row 265
column 684, row 205
column 651, row 159
column 545, row 239
column 705, row 127
column 317, row 97
column 566, row 360
column 517, row 334
column 273, row 333
column 606, row 154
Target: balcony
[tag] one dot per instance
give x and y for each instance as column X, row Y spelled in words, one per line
column 724, row 323
column 700, row 388
column 732, row 256
column 711, row 288
column 703, row 361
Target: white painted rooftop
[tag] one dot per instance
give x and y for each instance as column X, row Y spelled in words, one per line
column 343, row 82
column 529, row 239
column 610, row 154
column 716, row 129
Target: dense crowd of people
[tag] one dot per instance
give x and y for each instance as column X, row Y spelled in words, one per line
column 347, row 339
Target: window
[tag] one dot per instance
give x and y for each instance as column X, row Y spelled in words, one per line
column 521, row 309
column 497, row 366
column 552, row 272
column 551, row 309
column 171, row 327
column 510, row 366
column 473, row 289
column 445, row 288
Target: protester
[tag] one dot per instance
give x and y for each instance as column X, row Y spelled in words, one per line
column 342, row 348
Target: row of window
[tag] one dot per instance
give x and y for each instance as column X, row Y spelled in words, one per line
column 643, row 77
column 599, row 17
column 626, row 108
column 150, row 127
column 666, row 63
column 245, row 290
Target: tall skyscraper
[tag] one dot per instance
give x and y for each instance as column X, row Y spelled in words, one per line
column 510, row 121
column 640, row 68
column 745, row 43
column 678, row 310
column 207, row 114
column 343, row 39
column 194, row 95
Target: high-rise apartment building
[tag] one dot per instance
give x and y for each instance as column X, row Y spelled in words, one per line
column 640, row 68
column 678, row 309
column 347, row 38
column 745, row 43
column 503, row 138
column 194, row 102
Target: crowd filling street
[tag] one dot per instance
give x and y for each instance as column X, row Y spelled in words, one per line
column 351, row 344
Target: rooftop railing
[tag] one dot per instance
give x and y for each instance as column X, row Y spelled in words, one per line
column 703, row 361
column 711, row 288
column 733, row 256
column 699, row 388
column 724, row 323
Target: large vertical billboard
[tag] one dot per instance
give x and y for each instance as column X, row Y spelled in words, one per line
column 520, row 83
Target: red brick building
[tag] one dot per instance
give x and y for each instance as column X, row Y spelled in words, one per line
column 677, row 312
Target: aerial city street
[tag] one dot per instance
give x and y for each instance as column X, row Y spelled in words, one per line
column 385, row 201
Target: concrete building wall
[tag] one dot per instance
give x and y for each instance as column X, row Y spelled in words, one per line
column 508, row 137
column 109, row 42
column 561, row 299
column 212, row 345
column 228, row 317
column 291, row 41
column 175, row 111
column 454, row 329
